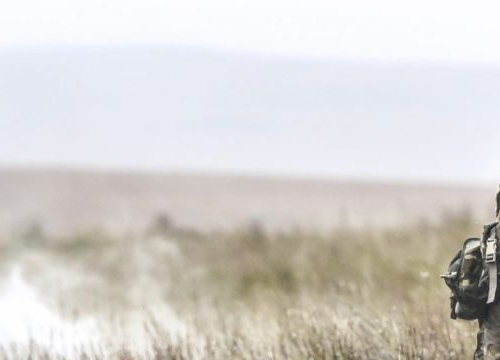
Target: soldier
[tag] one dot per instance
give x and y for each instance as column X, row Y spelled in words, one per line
column 488, row 336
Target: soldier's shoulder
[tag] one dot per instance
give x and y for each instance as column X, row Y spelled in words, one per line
column 488, row 228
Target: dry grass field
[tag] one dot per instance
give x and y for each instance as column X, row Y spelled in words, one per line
column 166, row 290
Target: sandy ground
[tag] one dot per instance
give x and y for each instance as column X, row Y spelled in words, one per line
column 69, row 200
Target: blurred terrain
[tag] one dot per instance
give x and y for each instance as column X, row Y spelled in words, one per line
column 175, row 292
column 123, row 265
column 64, row 201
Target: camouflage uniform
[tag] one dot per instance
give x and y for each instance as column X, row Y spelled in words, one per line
column 488, row 336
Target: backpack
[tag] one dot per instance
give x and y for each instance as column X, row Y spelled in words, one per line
column 472, row 276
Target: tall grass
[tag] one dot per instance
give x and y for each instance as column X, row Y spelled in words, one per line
column 349, row 293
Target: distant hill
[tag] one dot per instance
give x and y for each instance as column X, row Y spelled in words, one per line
column 66, row 200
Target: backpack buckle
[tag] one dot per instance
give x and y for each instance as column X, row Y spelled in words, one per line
column 491, row 250
column 449, row 275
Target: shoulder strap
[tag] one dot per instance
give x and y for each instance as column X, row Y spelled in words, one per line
column 487, row 230
column 490, row 258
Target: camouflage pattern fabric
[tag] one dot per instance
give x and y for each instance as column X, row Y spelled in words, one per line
column 488, row 336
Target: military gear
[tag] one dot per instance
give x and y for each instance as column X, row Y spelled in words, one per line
column 488, row 346
column 473, row 279
column 468, row 287
column 473, row 274
column 490, row 259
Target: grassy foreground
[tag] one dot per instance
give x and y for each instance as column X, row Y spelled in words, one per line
column 174, row 293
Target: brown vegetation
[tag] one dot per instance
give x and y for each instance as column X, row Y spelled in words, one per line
column 254, row 294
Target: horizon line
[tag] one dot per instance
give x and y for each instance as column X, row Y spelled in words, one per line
column 226, row 173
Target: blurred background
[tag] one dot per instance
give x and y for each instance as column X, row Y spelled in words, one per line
column 185, row 170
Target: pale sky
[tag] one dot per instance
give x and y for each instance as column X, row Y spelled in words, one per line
column 388, row 30
column 404, row 90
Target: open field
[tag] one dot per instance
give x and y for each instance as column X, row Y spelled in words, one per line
column 163, row 289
